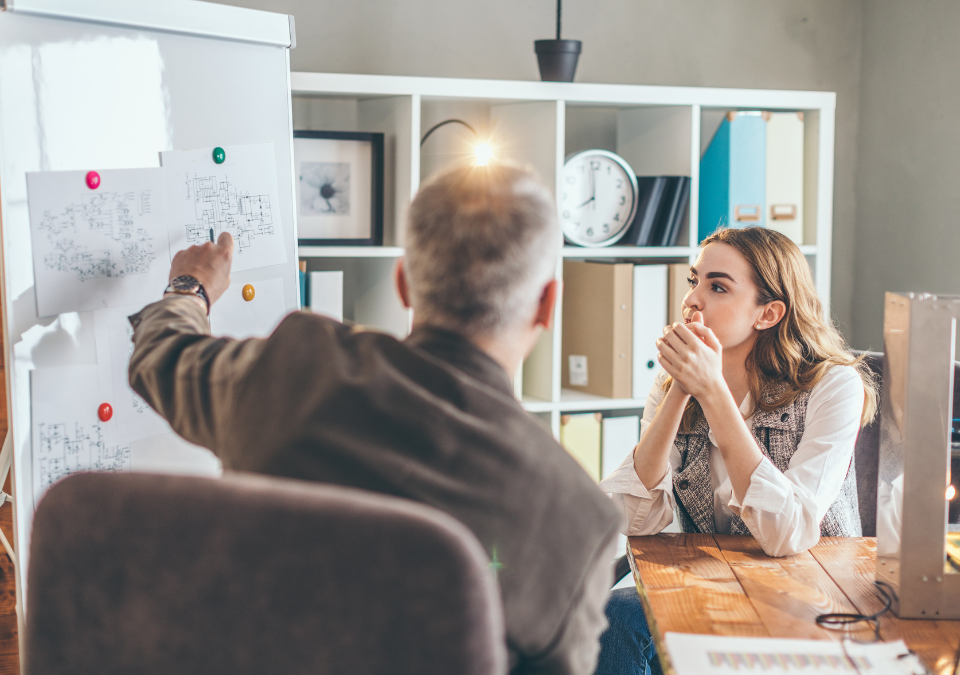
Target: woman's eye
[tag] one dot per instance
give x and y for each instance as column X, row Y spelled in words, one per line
column 692, row 282
column 717, row 288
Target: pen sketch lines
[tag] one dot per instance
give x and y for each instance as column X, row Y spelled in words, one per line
column 64, row 450
column 221, row 206
column 108, row 221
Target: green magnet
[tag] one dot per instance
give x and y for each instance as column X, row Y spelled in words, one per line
column 219, row 155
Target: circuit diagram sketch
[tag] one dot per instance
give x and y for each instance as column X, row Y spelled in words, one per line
column 96, row 248
column 68, row 448
column 239, row 196
column 109, row 218
column 220, row 206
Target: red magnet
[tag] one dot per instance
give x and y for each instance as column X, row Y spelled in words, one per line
column 105, row 412
column 93, row 180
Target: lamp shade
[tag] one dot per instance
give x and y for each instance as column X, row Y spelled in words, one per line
column 557, row 59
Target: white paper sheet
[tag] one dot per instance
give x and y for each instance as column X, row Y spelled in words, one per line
column 239, row 196
column 326, row 294
column 132, row 419
column 67, row 432
column 97, row 248
column 723, row 655
column 232, row 316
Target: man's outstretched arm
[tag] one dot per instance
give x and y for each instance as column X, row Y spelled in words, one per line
column 188, row 377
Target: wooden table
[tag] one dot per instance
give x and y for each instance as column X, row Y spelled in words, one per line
column 726, row 585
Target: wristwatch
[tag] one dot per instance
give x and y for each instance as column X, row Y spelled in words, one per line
column 188, row 285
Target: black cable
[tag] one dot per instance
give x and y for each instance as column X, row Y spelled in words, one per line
column 558, row 19
column 453, row 121
column 841, row 620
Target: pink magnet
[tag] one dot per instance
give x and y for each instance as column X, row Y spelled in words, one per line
column 105, row 412
column 93, row 180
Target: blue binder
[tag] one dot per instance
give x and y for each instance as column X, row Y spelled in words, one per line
column 733, row 175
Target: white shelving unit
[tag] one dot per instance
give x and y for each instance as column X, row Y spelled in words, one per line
column 658, row 130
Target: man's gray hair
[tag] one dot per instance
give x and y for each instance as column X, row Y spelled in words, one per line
column 482, row 242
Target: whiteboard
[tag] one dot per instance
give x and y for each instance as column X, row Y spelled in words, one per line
column 109, row 84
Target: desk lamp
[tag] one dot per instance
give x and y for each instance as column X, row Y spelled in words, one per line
column 915, row 539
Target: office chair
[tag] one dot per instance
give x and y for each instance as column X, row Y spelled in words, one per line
column 163, row 574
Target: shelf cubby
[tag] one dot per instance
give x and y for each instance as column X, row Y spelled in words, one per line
column 658, row 130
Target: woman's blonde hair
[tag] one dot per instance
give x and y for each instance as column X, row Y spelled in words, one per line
column 799, row 350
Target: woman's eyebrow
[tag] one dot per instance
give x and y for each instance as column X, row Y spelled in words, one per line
column 720, row 275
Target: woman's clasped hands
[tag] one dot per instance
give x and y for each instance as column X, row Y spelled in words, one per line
column 692, row 355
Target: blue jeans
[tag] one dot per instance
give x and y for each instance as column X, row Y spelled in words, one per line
column 626, row 648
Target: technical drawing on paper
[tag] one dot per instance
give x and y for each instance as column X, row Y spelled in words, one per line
column 222, row 207
column 68, row 448
column 113, row 216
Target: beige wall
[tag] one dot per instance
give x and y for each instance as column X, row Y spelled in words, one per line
column 800, row 44
column 908, row 186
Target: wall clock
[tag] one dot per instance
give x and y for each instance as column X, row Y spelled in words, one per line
column 598, row 198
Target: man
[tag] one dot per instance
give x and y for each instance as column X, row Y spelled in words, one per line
column 432, row 418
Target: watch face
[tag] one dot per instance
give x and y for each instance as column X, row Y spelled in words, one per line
column 599, row 198
column 184, row 284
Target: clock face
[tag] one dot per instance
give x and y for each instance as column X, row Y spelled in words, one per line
column 599, row 198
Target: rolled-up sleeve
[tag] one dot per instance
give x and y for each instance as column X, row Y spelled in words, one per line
column 644, row 511
column 783, row 510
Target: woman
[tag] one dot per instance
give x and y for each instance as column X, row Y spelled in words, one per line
column 750, row 427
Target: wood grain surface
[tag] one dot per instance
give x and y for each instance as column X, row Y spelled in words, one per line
column 9, row 647
column 727, row 585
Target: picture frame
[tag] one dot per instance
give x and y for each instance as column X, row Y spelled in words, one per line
column 339, row 187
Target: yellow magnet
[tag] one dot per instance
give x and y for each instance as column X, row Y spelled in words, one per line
column 248, row 292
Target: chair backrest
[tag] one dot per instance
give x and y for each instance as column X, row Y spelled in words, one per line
column 867, row 451
column 163, row 574
column 867, row 455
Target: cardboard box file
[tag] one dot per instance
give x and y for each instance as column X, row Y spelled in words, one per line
column 785, row 174
column 678, row 285
column 597, row 339
column 649, row 318
column 580, row 435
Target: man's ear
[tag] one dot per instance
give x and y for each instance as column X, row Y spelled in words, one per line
column 548, row 303
column 400, row 276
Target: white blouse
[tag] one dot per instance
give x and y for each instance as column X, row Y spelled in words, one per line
column 782, row 510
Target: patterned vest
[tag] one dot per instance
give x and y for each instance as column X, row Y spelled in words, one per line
column 778, row 433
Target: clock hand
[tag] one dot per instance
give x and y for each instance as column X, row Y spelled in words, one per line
column 585, row 203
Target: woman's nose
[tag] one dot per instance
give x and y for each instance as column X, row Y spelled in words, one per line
column 693, row 300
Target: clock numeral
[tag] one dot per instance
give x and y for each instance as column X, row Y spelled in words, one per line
column 594, row 165
column 566, row 214
column 606, row 228
column 608, row 170
column 583, row 168
column 616, row 216
column 578, row 225
column 619, row 183
column 623, row 200
column 589, row 231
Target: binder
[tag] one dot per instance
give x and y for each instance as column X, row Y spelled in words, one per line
column 733, row 175
column 619, row 436
column 651, row 191
column 597, row 337
column 650, row 294
column 580, row 436
column 676, row 195
column 784, row 174
column 678, row 286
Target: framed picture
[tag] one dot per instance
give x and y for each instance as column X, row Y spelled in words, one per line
column 339, row 176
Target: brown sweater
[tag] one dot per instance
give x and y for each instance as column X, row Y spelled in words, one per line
column 431, row 419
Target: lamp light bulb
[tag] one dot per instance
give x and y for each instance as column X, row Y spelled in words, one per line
column 484, row 153
column 951, row 493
